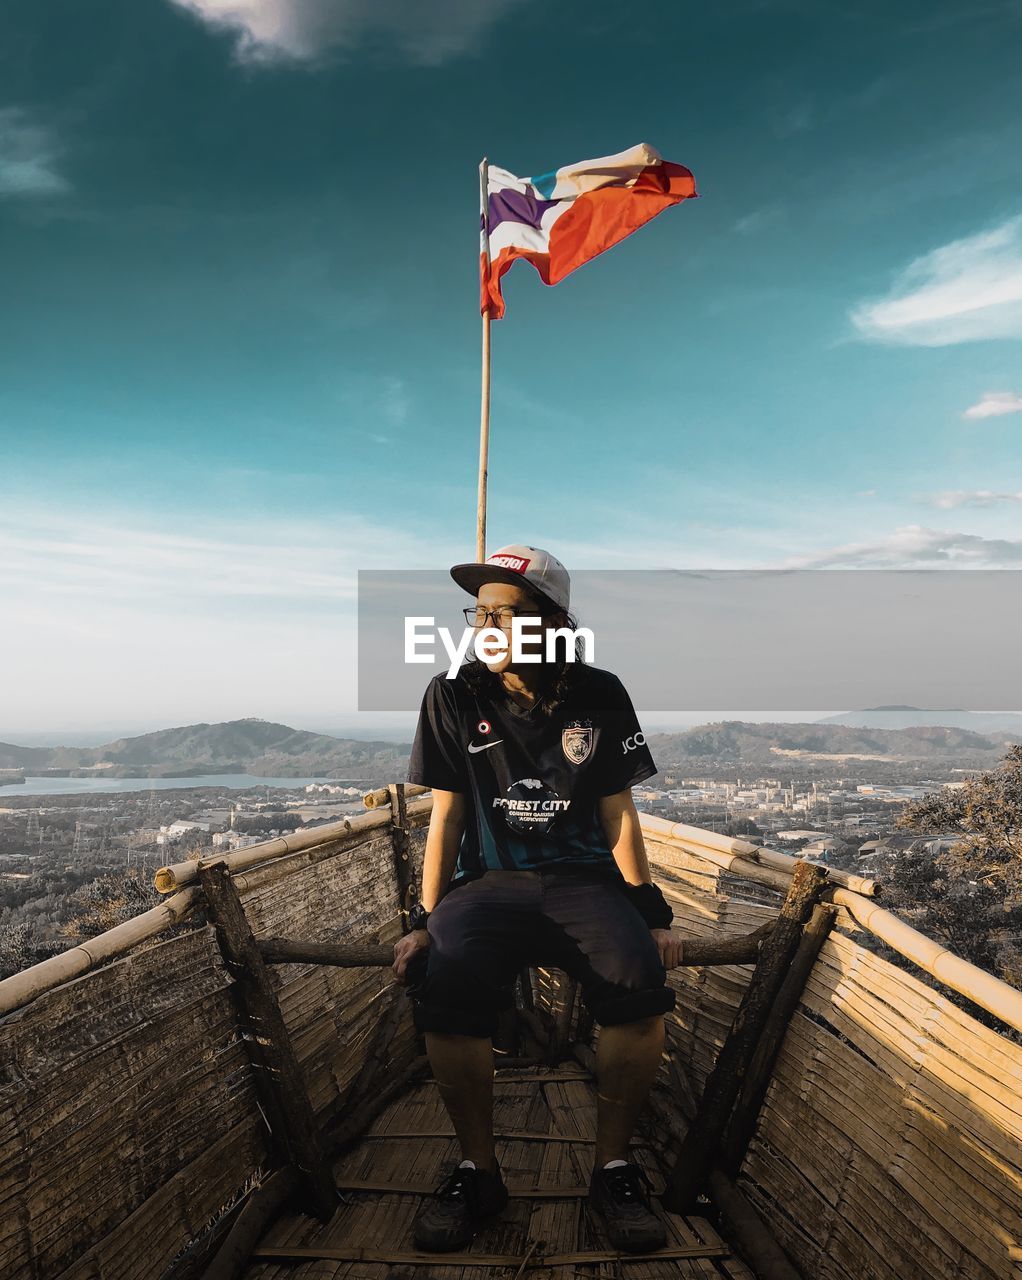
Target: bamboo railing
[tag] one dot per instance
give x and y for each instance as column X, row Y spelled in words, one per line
column 29, row 984
column 774, row 869
column 381, row 796
column 724, row 851
column 179, row 874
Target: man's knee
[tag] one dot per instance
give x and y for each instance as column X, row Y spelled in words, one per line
column 460, row 1021
column 652, row 1025
column 632, row 987
column 444, row 1003
column 455, row 1041
column 612, row 1007
column 462, row 987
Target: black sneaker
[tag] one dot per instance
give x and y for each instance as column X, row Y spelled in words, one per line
column 459, row 1205
column 621, row 1197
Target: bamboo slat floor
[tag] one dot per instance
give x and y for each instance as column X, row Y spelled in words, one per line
column 546, row 1224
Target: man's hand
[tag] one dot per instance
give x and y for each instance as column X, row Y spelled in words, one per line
column 405, row 948
column 669, row 946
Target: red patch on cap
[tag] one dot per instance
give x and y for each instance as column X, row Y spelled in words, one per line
column 484, row 726
column 517, row 563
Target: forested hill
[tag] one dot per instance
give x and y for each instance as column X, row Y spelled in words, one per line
column 236, row 746
column 772, row 744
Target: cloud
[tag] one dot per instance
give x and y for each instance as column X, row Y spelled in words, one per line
column 395, row 403
column 965, row 291
column 913, row 546
column 426, row 32
column 993, row 404
column 758, row 220
column 973, row 498
column 107, row 615
column 794, row 119
column 126, row 560
column 377, row 405
column 28, row 154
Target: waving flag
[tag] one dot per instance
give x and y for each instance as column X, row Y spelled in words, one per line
column 563, row 219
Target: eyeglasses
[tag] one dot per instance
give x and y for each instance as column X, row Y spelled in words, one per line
column 502, row 616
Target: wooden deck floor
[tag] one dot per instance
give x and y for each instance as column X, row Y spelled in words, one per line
column 545, row 1121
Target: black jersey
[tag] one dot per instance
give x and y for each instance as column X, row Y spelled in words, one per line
column 532, row 779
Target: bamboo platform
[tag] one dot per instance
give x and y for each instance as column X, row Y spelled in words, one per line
column 196, row 1083
column 545, row 1122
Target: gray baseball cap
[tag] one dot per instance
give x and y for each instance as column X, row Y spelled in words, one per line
column 519, row 565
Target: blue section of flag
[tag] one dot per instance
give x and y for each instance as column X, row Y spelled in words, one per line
column 545, row 183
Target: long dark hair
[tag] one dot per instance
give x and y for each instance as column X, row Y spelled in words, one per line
column 559, row 678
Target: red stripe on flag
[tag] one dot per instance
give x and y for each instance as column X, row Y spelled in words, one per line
column 603, row 218
column 490, row 284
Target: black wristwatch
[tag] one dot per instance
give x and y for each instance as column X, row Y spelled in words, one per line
column 417, row 917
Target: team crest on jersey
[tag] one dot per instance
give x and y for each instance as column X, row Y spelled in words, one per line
column 577, row 742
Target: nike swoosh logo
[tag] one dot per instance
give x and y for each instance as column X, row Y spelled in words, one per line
column 485, row 746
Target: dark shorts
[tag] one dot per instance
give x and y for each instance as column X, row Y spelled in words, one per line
column 485, row 931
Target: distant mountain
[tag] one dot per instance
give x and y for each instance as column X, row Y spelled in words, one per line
column 12, row 757
column 267, row 750
column 899, row 717
column 251, row 746
column 743, row 742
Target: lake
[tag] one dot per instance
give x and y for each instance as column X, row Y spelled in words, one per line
column 106, row 786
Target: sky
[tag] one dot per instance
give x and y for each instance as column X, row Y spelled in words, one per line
column 239, row 329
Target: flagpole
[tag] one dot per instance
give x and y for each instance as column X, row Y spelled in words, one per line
column 484, row 407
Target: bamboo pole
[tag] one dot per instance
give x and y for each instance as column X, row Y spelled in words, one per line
column 507, row 1034
column 779, row 880
column 256, row 1214
column 424, row 1187
column 339, row 955
column 278, row 1078
column 460, row 1261
column 372, row 1074
column 701, row 952
column 990, row 993
column 760, row 1070
column 539, row 1026
column 749, row 1230
column 484, row 443
column 31, row 983
column 695, row 952
column 586, row 1056
column 560, row 1034
column 264, row 874
column 400, row 844
column 705, row 844
column 703, row 1139
column 868, row 887
column 484, row 399
column 381, row 796
column 350, row 1127
column 177, row 874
